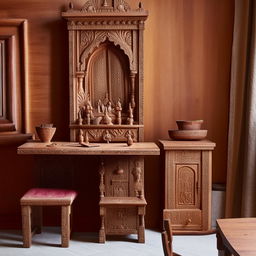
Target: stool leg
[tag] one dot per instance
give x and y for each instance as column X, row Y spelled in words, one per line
column 65, row 225
column 26, row 225
column 37, row 219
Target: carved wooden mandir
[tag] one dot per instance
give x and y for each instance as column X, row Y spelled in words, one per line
column 106, row 70
column 106, row 103
column 188, row 175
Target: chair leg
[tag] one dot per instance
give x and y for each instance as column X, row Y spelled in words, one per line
column 26, row 225
column 102, row 234
column 37, row 219
column 141, row 228
column 65, row 225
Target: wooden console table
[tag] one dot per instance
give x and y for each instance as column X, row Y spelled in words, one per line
column 188, row 175
column 236, row 237
column 121, row 183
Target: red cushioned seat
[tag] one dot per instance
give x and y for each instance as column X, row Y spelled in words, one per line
column 31, row 204
column 48, row 196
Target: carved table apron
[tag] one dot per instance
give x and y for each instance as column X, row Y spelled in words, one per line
column 121, row 179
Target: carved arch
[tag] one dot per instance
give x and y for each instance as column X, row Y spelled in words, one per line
column 121, row 38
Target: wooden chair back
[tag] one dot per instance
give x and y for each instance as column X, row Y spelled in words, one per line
column 167, row 238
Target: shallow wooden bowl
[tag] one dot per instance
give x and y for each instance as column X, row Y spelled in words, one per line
column 187, row 134
column 45, row 134
column 189, row 125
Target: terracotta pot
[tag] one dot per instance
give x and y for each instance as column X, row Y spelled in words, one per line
column 45, row 134
column 189, row 125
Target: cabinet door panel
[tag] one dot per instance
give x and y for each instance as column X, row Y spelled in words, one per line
column 187, row 186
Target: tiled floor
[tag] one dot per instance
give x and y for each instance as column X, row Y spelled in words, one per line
column 48, row 244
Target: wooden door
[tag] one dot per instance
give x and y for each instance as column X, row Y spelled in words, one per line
column 183, row 192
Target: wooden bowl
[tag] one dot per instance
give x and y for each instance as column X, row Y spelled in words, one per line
column 189, row 125
column 187, row 134
column 45, row 134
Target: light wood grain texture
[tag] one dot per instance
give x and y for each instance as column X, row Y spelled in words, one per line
column 73, row 148
column 236, row 236
column 188, row 184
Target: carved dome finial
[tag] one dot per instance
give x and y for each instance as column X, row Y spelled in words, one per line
column 105, row 3
column 71, row 6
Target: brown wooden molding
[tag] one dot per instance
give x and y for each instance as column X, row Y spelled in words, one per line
column 14, row 81
column 8, row 139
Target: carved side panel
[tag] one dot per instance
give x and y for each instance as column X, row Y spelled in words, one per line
column 121, row 220
column 187, row 186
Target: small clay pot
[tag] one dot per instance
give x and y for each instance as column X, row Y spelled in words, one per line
column 189, row 125
column 45, row 134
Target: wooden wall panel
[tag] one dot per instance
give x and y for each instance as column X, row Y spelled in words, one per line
column 187, row 71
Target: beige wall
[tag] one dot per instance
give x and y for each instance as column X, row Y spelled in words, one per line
column 187, row 73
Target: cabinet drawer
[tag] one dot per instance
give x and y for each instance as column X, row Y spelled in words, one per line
column 184, row 219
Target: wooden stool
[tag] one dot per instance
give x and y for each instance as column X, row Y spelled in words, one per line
column 31, row 205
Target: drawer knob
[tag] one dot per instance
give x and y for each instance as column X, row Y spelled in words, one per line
column 189, row 221
column 119, row 171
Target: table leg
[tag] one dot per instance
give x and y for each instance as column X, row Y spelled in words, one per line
column 222, row 250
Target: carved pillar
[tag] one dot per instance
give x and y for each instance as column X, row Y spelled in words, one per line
column 102, row 185
column 132, row 77
column 80, row 79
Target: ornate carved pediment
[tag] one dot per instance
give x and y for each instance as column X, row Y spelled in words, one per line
column 105, row 5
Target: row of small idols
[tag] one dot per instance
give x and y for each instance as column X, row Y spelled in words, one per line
column 104, row 114
column 83, row 138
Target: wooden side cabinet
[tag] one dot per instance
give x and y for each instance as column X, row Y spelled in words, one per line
column 188, row 183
